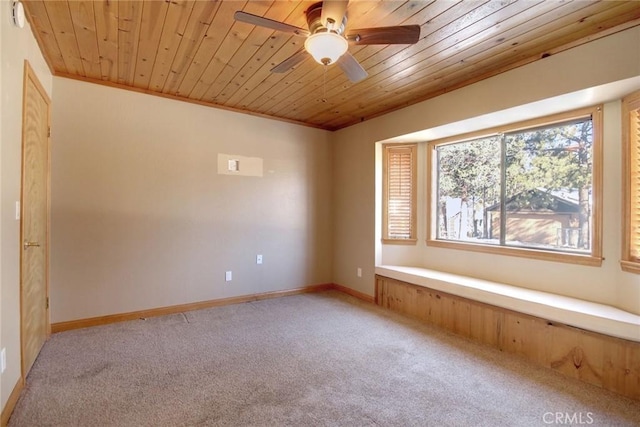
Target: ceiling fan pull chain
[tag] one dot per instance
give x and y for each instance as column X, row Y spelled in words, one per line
column 324, row 84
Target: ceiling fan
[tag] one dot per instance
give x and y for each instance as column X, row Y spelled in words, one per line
column 327, row 40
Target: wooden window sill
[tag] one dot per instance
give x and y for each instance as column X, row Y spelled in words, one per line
column 399, row 241
column 630, row 266
column 569, row 258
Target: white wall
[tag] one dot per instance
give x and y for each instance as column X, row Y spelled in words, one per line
column 142, row 219
column 600, row 62
column 16, row 46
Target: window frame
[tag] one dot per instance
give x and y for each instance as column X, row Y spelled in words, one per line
column 628, row 263
column 386, row 148
column 593, row 259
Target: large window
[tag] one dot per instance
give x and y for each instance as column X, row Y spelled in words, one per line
column 530, row 189
column 631, row 179
column 399, row 192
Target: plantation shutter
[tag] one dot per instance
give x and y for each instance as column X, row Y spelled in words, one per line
column 400, row 192
column 634, row 169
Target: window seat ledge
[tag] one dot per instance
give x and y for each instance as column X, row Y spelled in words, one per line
column 574, row 312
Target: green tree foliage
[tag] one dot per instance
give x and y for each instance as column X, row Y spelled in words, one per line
column 554, row 158
column 469, row 171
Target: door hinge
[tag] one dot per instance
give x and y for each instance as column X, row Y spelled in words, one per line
column 49, row 132
column 47, row 303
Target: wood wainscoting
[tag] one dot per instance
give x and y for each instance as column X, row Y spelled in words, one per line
column 608, row 362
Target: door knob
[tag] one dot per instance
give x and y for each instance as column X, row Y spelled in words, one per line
column 27, row 244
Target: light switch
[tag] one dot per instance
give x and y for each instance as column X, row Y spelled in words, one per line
column 227, row 276
column 234, row 165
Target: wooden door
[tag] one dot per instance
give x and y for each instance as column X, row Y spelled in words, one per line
column 34, row 277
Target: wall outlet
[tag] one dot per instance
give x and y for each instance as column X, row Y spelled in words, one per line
column 359, row 272
column 3, row 360
column 227, row 276
column 258, row 259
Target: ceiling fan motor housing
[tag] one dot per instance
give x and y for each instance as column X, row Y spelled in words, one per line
column 314, row 21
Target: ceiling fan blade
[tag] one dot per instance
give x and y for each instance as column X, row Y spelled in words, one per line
column 269, row 23
column 334, row 10
column 352, row 68
column 290, row 62
column 404, row 34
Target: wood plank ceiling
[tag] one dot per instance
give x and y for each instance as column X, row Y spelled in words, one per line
column 194, row 50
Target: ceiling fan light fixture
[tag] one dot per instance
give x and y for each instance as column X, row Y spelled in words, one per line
column 326, row 47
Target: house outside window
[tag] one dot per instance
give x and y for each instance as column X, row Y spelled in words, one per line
column 528, row 189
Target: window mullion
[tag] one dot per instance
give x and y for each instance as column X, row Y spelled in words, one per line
column 503, row 189
column 439, row 225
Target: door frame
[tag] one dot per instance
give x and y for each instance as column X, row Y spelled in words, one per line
column 30, row 75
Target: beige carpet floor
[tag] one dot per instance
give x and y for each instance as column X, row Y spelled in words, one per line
column 321, row 359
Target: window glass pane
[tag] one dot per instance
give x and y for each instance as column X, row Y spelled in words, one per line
column 548, row 187
column 533, row 188
column 468, row 184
